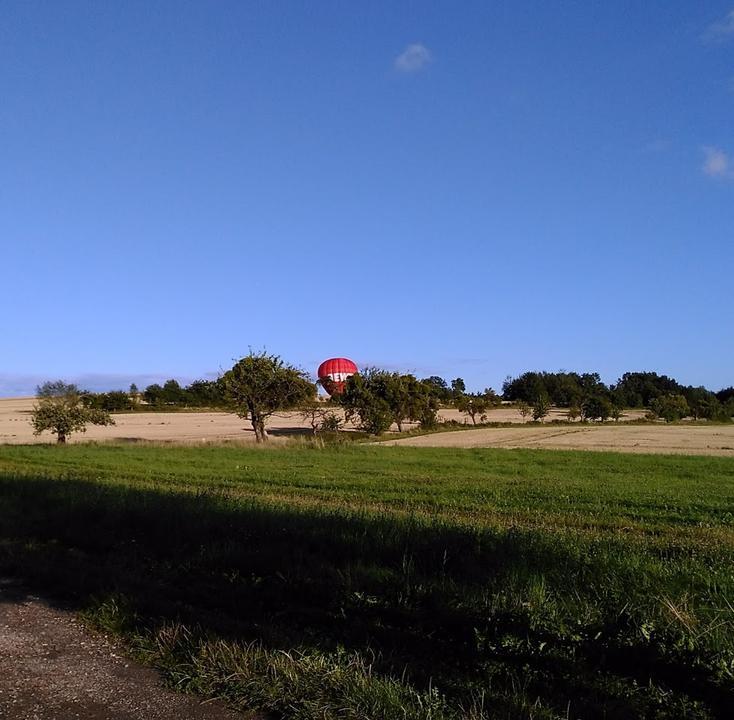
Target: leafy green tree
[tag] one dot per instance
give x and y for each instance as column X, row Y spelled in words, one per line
column 573, row 412
column 639, row 389
column 378, row 395
column 204, row 393
column 113, row 401
column 477, row 404
column 458, row 387
column 670, row 407
column 64, row 414
column 471, row 405
column 397, row 390
column 173, row 393
column 541, row 407
column 439, row 388
column 56, row 388
column 597, row 408
column 153, row 394
column 365, row 403
column 563, row 389
column 423, row 406
column 260, row 385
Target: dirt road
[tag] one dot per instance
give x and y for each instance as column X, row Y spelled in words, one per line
column 52, row 668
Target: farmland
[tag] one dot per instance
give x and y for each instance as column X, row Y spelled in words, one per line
column 703, row 438
column 369, row 581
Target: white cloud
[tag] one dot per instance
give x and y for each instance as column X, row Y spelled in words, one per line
column 414, row 58
column 716, row 163
column 720, row 30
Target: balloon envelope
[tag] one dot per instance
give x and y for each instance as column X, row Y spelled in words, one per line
column 333, row 373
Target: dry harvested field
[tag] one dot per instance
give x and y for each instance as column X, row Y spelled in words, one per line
column 197, row 427
column 675, row 439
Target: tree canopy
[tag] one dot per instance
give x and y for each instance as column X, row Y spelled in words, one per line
column 61, row 410
column 376, row 399
column 260, row 384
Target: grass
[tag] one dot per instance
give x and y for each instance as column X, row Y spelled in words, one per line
column 391, row 582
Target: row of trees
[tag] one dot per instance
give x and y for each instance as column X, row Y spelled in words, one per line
column 261, row 384
column 588, row 395
column 585, row 394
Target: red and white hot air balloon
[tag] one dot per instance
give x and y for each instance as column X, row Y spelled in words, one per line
column 333, row 373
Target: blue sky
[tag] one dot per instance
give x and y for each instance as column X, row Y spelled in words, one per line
column 466, row 189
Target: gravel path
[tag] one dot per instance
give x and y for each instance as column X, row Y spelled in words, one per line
column 52, row 668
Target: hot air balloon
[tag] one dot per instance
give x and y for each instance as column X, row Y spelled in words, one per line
column 333, row 373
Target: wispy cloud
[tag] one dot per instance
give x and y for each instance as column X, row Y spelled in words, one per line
column 716, row 163
column 414, row 58
column 721, row 30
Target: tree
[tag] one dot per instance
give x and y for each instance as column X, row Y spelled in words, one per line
column 64, row 414
column 670, row 407
column 524, row 409
column 260, row 385
column 639, row 389
column 423, row 403
column 153, row 394
column 203, row 393
column 573, row 412
column 541, row 407
column 458, row 387
column 364, row 400
column 113, row 401
column 397, row 390
column 56, row 388
column 173, row 393
column 318, row 415
column 439, row 388
column 477, row 404
column 378, row 398
column 597, row 408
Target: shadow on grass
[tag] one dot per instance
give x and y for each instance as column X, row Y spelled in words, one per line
column 469, row 610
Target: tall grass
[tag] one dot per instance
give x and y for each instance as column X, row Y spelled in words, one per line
column 369, row 582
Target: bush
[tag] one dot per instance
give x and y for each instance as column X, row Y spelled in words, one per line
column 597, row 408
column 670, row 407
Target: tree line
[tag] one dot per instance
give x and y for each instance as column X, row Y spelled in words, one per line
column 261, row 384
column 661, row 395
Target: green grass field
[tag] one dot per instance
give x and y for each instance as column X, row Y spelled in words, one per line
column 378, row 582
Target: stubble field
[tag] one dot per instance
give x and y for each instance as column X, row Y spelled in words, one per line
column 217, row 427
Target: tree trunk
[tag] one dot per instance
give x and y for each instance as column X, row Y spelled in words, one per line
column 258, row 425
column 61, row 438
